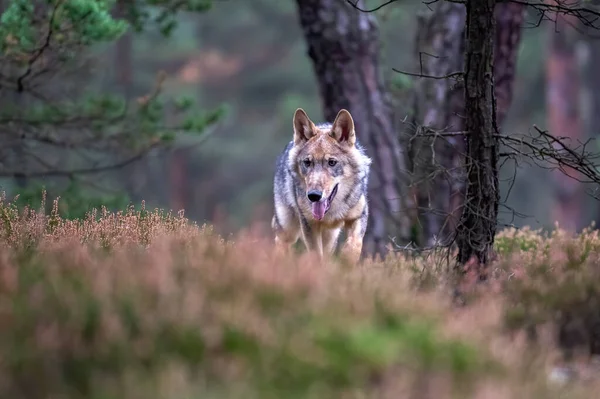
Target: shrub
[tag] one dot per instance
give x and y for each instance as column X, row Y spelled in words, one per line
column 148, row 304
column 557, row 284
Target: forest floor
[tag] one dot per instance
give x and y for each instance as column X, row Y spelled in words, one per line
column 144, row 304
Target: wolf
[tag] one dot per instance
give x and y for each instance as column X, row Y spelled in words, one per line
column 320, row 187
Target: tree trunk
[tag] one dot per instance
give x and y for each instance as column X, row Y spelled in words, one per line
column 439, row 107
column 477, row 227
column 562, row 100
column 123, row 53
column 509, row 17
column 438, row 162
column 590, row 106
column 343, row 44
column 178, row 180
column 14, row 152
column 132, row 175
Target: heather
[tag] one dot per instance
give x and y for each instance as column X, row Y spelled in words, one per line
column 147, row 304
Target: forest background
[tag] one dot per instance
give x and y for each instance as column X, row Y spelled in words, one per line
column 246, row 68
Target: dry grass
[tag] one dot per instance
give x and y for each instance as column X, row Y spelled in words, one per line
column 148, row 305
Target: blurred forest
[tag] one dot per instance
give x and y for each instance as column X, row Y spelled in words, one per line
column 250, row 59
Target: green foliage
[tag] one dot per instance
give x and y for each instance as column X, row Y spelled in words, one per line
column 73, row 27
column 514, row 240
column 163, row 13
column 67, row 22
column 88, row 125
column 201, row 121
column 88, row 21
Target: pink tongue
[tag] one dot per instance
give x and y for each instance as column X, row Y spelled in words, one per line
column 318, row 209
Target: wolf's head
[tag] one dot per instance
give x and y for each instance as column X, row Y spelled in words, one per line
column 326, row 159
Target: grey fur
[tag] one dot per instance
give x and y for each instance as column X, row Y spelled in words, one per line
column 290, row 219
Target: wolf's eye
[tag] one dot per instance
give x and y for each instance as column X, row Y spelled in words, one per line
column 306, row 162
column 332, row 162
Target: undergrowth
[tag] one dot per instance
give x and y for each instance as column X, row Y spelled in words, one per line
column 146, row 304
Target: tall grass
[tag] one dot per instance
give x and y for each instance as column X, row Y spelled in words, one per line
column 146, row 304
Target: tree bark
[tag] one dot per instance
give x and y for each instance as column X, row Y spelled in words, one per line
column 590, row 106
column 509, row 17
column 14, row 152
column 343, row 44
column 133, row 174
column 178, row 173
column 477, row 227
column 123, row 53
column 564, row 120
column 437, row 161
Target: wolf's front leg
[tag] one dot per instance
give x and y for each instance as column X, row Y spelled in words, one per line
column 285, row 235
column 355, row 231
column 311, row 235
column 330, row 239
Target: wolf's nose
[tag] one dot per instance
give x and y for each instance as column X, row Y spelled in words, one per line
column 315, row 195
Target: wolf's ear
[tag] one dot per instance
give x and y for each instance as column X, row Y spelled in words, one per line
column 304, row 128
column 343, row 128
